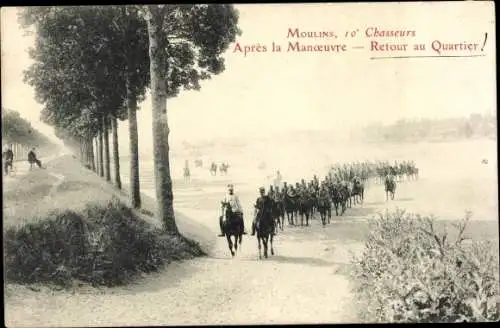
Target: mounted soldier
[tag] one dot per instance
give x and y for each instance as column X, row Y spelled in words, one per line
column 263, row 210
column 8, row 156
column 271, row 193
column 233, row 201
column 32, row 159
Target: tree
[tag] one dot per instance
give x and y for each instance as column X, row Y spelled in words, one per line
column 18, row 131
column 186, row 43
column 93, row 40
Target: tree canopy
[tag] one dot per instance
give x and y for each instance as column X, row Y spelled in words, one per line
column 15, row 129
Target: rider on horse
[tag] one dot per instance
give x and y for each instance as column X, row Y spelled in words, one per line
column 263, row 208
column 234, row 202
column 271, row 192
column 277, row 194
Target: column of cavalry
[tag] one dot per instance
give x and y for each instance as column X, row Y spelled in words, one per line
column 198, row 163
column 342, row 188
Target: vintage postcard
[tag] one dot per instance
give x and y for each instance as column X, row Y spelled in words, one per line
column 220, row 164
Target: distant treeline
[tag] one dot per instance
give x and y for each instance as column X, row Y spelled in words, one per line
column 474, row 126
column 19, row 132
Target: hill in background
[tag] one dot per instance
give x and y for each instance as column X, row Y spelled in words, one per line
column 476, row 126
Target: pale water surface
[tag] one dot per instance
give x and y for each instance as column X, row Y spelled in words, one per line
column 452, row 177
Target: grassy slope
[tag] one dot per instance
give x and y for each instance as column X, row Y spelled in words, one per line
column 39, row 192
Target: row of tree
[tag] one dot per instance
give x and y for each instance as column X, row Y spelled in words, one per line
column 17, row 130
column 473, row 126
column 92, row 65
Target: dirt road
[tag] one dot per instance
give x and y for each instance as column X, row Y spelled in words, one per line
column 303, row 283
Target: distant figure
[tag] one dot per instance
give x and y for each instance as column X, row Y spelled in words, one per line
column 187, row 173
column 213, row 169
column 484, row 161
column 33, row 160
column 223, row 168
column 277, row 180
column 8, row 156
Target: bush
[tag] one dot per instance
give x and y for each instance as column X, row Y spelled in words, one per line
column 103, row 245
column 409, row 272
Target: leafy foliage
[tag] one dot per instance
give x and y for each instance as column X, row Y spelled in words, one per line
column 197, row 37
column 80, row 62
column 15, row 129
column 102, row 245
column 411, row 273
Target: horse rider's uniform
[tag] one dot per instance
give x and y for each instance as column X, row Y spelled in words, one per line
column 263, row 206
column 236, row 208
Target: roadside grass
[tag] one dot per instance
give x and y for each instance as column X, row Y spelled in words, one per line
column 84, row 231
column 411, row 271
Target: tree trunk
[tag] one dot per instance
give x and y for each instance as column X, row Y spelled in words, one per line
column 91, row 153
column 97, row 155
column 116, row 155
column 135, row 188
column 158, row 69
column 82, row 150
column 101, row 152
column 105, row 129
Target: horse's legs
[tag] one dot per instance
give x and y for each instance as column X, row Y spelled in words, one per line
column 258, row 241
column 236, row 242
column 272, row 249
column 265, row 240
column 230, row 244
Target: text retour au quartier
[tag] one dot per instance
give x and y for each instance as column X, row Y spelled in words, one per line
column 300, row 46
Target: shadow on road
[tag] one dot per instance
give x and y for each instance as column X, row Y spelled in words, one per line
column 359, row 211
column 302, row 260
column 166, row 278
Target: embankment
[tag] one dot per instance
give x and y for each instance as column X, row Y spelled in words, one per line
column 66, row 223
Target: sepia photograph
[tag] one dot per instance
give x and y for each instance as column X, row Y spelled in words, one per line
column 249, row 164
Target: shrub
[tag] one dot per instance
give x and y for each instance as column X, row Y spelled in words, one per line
column 103, row 245
column 409, row 272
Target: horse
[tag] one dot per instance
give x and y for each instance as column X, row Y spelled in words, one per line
column 339, row 197
column 187, row 174
column 213, row 169
column 232, row 226
column 278, row 214
column 390, row 187
column 290, row 205
column 347, row 189
column 264, row 234
column 223, row 168
column 358, row 191
column 324, row 208
column 305, row 208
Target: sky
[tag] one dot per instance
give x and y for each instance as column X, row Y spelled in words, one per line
column 271, row 92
